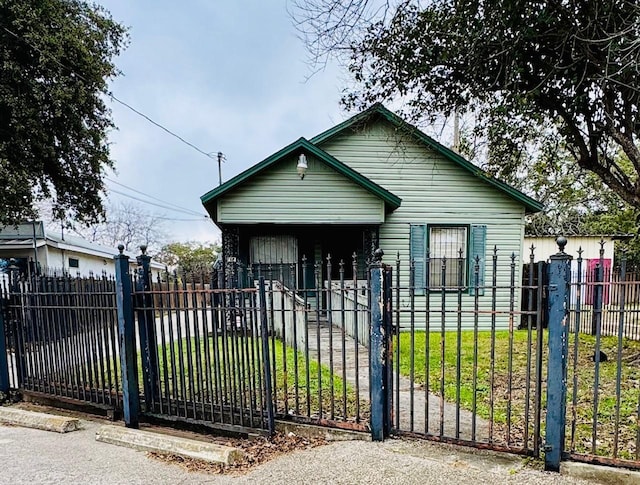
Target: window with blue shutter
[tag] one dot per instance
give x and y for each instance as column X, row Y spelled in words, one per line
column 445, row 243
column 477, row 251
column 417, row 252
column 448, row 250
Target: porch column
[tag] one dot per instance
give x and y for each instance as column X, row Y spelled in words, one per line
column 371, row 241
column 230, row 252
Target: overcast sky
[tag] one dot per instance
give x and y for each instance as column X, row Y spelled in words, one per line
column 227, row 76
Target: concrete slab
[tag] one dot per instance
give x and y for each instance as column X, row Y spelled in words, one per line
column 601, row 474
column 43, row 421
column 161, row 443
column 321, row 432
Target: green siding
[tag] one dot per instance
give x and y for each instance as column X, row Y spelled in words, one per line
column 433, row 191
column 278, row 195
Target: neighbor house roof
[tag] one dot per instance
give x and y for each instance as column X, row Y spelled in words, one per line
column 302, row 145
column 378, row 109
column 22, row 236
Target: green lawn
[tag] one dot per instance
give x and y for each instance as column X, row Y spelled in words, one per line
column 241, row 372
column 504, row 382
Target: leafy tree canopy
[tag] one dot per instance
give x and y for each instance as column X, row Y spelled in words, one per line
column 55, row 61
column 561, row 68
column 189, row 257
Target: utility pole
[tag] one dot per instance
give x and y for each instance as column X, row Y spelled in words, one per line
column 456, row 131
column 221, row 158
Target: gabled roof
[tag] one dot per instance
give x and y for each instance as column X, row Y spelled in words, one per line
column 378, row 109
column 303, row 145
column 22, row 237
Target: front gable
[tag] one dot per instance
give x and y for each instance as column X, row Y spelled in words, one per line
column 273, row 192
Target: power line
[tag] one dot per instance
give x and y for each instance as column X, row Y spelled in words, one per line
column 152, row 197
column 202, row 219
column 162, row 206
column 114, row 98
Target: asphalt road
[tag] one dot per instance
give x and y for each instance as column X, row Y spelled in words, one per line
column 37, row 457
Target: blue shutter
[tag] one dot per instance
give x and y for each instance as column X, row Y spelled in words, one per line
column 478, row 249
column 417, row 251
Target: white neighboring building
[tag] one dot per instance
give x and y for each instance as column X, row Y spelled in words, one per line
column 545, row 246
column 30, row 243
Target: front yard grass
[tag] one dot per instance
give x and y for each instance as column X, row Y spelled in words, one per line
column 318, row 393
column 502, row 395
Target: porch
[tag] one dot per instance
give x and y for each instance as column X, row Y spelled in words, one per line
column 302, row 257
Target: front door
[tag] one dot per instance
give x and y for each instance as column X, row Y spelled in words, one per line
column 273, row 257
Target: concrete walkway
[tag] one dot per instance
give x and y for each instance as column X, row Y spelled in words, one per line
column 412, row 398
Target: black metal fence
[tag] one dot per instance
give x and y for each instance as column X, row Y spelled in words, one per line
column 202, row 352
column 465, row 356
column 61, row 336
column 208, row 362
column 463, row 371
column 603, row 409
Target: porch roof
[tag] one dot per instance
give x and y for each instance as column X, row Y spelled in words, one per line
column 302, row 145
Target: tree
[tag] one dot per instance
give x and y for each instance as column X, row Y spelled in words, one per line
column 128, row 224
column 562, row 67
column 55, row 61
column 189, row 257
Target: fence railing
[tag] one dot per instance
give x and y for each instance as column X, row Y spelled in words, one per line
column 603, row 412
column 463, row 357
column 463, row 371
column 61, row 336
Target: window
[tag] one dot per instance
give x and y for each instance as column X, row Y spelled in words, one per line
column 74, row 263
column 444, row 243
column 448, row 254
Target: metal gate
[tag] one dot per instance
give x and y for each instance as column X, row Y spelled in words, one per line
column 61, row 337
column 238, row 358
column 467, row 359
column 204, row 352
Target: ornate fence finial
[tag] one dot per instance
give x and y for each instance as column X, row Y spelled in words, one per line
column 561, row 241
column 143, row 249
column 377, row 255
column 121, row 248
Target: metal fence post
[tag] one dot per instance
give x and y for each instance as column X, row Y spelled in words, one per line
column 127, row 340
column 266, row 363
column 147, row 331
column 559, row 278
column 4, row 363
column 378, row 378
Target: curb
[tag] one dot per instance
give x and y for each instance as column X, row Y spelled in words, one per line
column 311, row 431
column 602, row 474
column 160, row 443
column 32, row 419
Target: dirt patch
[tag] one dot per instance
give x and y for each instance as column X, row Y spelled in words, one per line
column 257, row 451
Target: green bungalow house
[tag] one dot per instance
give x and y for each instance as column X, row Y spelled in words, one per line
column 371, row 181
